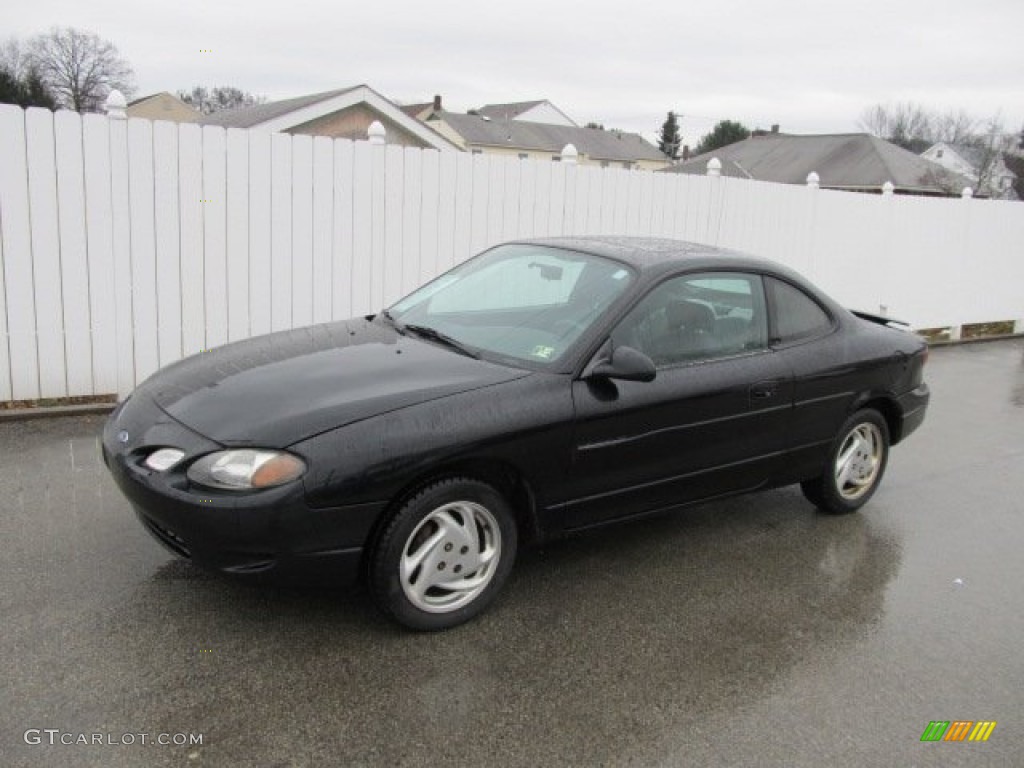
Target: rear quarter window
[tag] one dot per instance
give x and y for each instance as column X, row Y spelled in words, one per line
column 795, row 315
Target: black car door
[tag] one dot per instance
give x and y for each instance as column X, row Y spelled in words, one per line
column 713, row 421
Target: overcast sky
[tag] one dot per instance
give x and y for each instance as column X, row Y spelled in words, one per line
column 810, row 65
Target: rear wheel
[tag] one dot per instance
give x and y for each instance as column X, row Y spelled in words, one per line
column 444, row 555
column 855, row 465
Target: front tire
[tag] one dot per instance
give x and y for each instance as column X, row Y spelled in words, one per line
column 855, row 465
column 444, row 555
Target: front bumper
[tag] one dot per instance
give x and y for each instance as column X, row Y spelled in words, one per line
column 272, row 534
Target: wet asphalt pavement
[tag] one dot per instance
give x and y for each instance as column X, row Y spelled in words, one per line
column 751, row 632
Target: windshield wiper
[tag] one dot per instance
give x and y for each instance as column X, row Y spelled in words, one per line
column 426, row 332
column 386, row 314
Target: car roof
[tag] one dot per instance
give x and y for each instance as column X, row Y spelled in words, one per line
column 654, row 254
column 655, row 257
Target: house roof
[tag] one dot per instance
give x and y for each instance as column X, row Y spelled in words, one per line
column 414, row 109
column 974, row 156
column 842, row 161
column 153, row 96
column 593, row 142
column 248, row 117
column 511, row 110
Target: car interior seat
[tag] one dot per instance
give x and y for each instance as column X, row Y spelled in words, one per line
column 692, row 325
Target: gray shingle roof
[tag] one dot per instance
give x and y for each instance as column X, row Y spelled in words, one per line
column 247, row 117
column 595, row 143
column 511, row 111
column 845, row 161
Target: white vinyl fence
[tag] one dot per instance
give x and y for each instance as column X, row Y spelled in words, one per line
column 127, row 244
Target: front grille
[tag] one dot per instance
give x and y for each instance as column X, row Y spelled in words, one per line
column 169, row 538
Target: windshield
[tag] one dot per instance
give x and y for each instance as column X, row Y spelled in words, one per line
column 524, row 302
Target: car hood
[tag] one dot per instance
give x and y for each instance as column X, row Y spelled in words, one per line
column 278, row 389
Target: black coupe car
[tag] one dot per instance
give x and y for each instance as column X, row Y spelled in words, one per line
column 542, row 387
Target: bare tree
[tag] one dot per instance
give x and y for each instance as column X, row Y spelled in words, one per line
column 20, row 83
column 216, row 99
column 79, row 68
column 13, row 58
column 989, row 146
column 955, row 126
column 906, row 124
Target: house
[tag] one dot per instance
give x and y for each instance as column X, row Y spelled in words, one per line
column 973, row 162
column 512, row 130
column 856, row 162
column 344, row 113
column 163, row 106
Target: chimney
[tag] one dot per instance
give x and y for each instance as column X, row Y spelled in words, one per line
column 437, row 102
column 686, row 152
column 775, row 127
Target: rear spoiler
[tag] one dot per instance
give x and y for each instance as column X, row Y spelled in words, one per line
column 903, row 325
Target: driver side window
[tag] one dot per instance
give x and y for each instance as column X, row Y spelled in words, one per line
column 697, row 317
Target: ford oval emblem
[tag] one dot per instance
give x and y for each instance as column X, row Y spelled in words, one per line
column 123, row 436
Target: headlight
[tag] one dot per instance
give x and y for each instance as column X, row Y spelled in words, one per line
column 246, row 469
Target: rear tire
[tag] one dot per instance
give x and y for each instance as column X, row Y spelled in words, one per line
column 444, row 555
column 855, row 465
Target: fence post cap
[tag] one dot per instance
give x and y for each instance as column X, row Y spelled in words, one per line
column 714, row 167
column 888, row 188
column 376, row 132
column 115, row 105
column 967, row 193
column 570, row 154
column 813, row 180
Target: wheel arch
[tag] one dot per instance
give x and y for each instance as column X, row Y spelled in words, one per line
column 887, row 406
column 505, row 477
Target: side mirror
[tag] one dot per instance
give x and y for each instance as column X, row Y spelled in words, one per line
column 626, row 364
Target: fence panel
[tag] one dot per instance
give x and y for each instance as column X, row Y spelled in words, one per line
column 302, row 231
column 142, row 237
column 323, row 228
column 190, row 207
column 363, row 194
column 74, row 256
column 168, row 241
column 100, row 245
column 280, row 232
column 342, row 263
column 430, row 208
column 42, row 198
column 237, row 232
column 260, row 231
column 215, row 258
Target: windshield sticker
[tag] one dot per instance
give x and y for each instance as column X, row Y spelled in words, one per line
column 543, row 352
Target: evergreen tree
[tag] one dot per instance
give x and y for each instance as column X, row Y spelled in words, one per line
column 29, row 91
column 725, row 133
column 670, row 141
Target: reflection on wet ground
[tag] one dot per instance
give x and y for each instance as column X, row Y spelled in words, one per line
column 748, row 632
